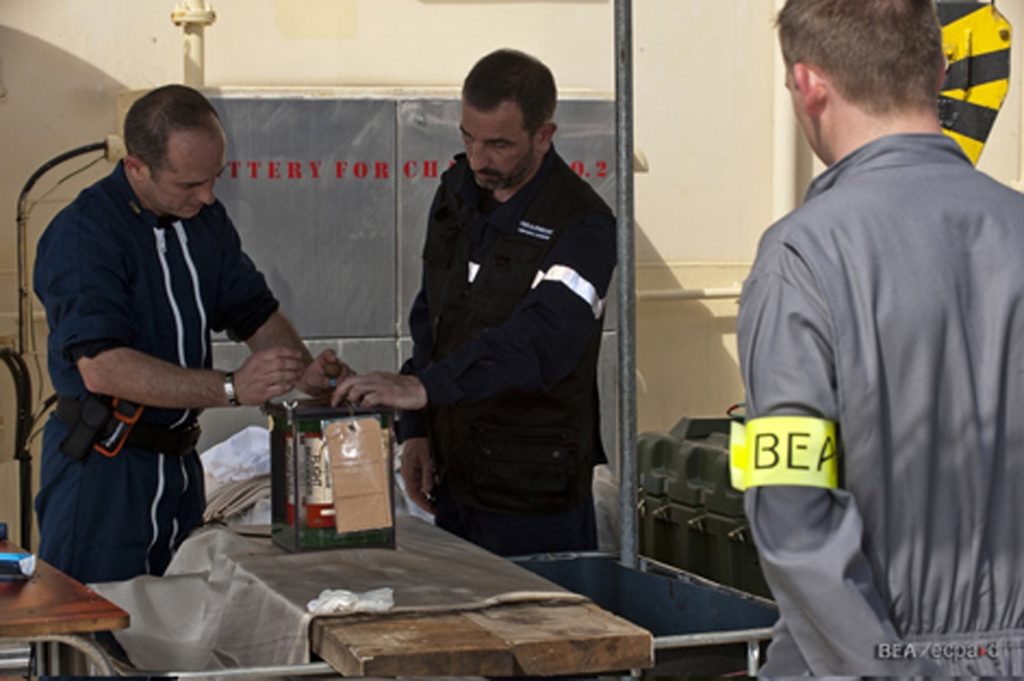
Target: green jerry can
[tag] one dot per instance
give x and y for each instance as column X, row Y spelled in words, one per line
column 690, row 516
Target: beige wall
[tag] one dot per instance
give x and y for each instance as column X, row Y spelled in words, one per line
column 707, row 125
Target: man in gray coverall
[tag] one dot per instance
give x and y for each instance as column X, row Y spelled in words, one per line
column 880, row 343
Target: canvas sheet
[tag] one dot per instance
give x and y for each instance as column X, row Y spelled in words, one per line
column 234, row 600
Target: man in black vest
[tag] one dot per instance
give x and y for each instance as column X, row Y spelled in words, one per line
column 500, row 419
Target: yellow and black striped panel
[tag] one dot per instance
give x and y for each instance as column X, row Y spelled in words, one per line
column 976, row 39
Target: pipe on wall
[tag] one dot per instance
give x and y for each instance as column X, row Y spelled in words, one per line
column 691, row 293
column 194, row 16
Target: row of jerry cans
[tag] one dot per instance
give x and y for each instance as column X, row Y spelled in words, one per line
column 689, row 515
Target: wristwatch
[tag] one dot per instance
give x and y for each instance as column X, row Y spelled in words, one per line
column 229, row 389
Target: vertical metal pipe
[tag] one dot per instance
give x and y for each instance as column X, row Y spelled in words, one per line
column 25, row 325
column 627, row 280
column 753, row 657
column 195, row 58
column 194, row 16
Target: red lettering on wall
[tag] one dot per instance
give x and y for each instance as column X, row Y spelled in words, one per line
column 299, row 169
column 596, row 169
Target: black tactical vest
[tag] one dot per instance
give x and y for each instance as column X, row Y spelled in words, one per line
column 518, row 452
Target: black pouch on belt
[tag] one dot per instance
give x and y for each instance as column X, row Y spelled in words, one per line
column 92, row 420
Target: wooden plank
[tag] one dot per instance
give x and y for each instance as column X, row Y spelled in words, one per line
column 569, row 639
column 445, row 644
column 53, row 603
column 536, row 639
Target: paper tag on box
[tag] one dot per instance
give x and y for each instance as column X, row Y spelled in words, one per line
column 360, row 474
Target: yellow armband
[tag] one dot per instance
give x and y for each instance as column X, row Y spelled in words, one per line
column 784, row 450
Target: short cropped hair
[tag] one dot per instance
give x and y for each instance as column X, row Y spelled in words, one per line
column 510, row 75
column 882, row 55
column 158, row 113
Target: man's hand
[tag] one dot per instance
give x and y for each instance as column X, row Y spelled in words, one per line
column 381, row 388
column 267, row 374
column 324, row 373
column 418, row 472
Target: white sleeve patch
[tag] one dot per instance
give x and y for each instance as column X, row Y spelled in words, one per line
column 575, row 283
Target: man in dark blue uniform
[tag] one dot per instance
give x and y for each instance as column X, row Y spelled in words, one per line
column 134, row 274
column 501, row 418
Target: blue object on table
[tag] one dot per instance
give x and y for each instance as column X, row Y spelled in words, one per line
column 18, row 565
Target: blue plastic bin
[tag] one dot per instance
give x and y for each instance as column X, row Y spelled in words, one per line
column 700, row 627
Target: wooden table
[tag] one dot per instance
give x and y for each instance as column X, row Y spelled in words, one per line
column 53, row 607
column 460, row 611
column 524, row 639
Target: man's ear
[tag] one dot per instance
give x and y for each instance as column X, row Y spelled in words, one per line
column 941, row 80
column 545, row 133
column 812, row 87
column 134, row 166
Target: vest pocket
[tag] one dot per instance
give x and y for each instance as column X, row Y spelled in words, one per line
column 524, row 470
column 512, row 266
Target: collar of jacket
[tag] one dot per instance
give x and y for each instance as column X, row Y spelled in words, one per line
column 889, row 151
column 125, row 195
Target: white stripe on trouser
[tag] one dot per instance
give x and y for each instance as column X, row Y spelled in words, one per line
column 160, row 484
column 575, row 283
column 184, row 489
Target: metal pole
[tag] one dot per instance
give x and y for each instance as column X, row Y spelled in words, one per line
column 307, row 669
column 713, row 638
column 22, row 431
column 627, row 280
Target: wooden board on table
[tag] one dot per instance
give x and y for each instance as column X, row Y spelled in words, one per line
column 51, row 602
column 522, row 639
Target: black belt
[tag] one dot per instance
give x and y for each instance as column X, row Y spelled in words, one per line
column 160, row 439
